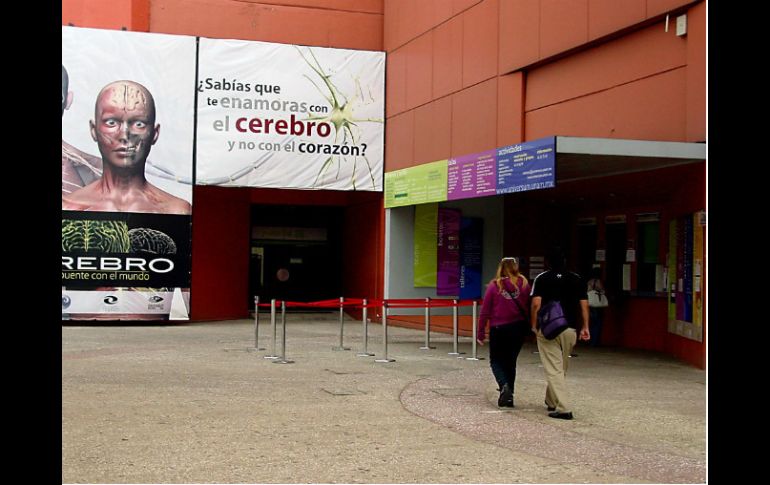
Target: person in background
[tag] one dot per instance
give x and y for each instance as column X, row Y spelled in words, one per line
column 568, row 288
column 595, row 313
column 505, row 309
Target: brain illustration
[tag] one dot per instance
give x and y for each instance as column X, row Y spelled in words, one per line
column 101, row 236
column 145, row 240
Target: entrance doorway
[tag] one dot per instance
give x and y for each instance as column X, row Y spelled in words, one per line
column 296, row 253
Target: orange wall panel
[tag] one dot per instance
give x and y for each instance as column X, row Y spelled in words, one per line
column 132, row 15
column 395, row 84
column 419, row 70
column 657, row 7
column 510, row 109
column 607, row 16
column 448, row 57
column 442, row 11
column 630, row 58
column 367, row 6
column 399, row 141
column 356, row 31
column 474, row 118
column 405, row 20
column 480, row 42
column 433, row 131
column 230, row 19
column 696, row 73
column 649, row 109
column 394, row 30
column 459, row 6
column 563, row 25
column 519, row 37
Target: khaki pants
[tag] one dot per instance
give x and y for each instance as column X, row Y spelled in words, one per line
column 554, row 354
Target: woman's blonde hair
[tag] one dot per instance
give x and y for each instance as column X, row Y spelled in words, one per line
column 508, row 268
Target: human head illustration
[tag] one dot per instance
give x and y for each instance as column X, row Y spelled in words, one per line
column 124, row 124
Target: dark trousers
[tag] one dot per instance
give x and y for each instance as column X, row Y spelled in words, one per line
column 505, row 344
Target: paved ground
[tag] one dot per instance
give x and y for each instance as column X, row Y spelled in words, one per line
column 196, row 403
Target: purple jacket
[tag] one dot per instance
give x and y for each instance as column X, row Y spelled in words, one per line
column 499, row 308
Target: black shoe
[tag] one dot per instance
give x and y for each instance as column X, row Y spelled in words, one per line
column 560, row 415
column 550, row 408
column 506, row 397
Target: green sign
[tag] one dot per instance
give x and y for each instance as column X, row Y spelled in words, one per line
column 416, row 185
column 425, row 245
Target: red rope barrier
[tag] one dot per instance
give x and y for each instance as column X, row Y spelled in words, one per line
column 358, row 303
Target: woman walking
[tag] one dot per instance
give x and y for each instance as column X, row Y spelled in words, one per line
column 505, row 308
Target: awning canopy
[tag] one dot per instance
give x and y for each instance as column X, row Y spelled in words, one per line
column 580, row 158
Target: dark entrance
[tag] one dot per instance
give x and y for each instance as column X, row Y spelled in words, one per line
column 296, row 253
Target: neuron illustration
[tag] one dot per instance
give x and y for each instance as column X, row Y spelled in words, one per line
column 342, row 116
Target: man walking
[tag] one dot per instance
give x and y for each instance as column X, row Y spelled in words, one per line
column 568, row 288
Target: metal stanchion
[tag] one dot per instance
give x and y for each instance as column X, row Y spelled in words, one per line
column 283, row 337
column 385, row 334
column 427, row 326
column 342, row 326
column 272, row 326
column 454, row 331
column 256, row 324
column 366, row 352
column 475, row 332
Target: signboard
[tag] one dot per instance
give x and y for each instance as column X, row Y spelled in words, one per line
column 126, row 183
column 416, row 185
column 286, row 116
column 515, row 168
column 471, row 176
column 526, row 166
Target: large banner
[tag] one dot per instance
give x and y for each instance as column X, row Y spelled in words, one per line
column 127, row 151
column 285, row 116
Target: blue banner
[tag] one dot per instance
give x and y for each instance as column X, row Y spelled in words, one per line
column 526, row 166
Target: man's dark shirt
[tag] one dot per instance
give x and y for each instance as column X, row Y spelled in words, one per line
column 566, row 287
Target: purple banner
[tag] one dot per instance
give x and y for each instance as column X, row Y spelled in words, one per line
column 448, row 253
column 472, row 175
column 526, row 166
column 471, row 245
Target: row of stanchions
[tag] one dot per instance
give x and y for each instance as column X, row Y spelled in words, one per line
column 281, row 359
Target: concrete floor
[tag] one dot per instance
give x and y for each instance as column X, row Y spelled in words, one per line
column 196, row 403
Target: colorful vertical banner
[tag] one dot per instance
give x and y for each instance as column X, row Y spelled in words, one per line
column 698, row 271
column 448, row 252
column 672, row 271
column 288, row 116
column 126, row 183
column 425, row 245
column 471, row 244
column 685, row 265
